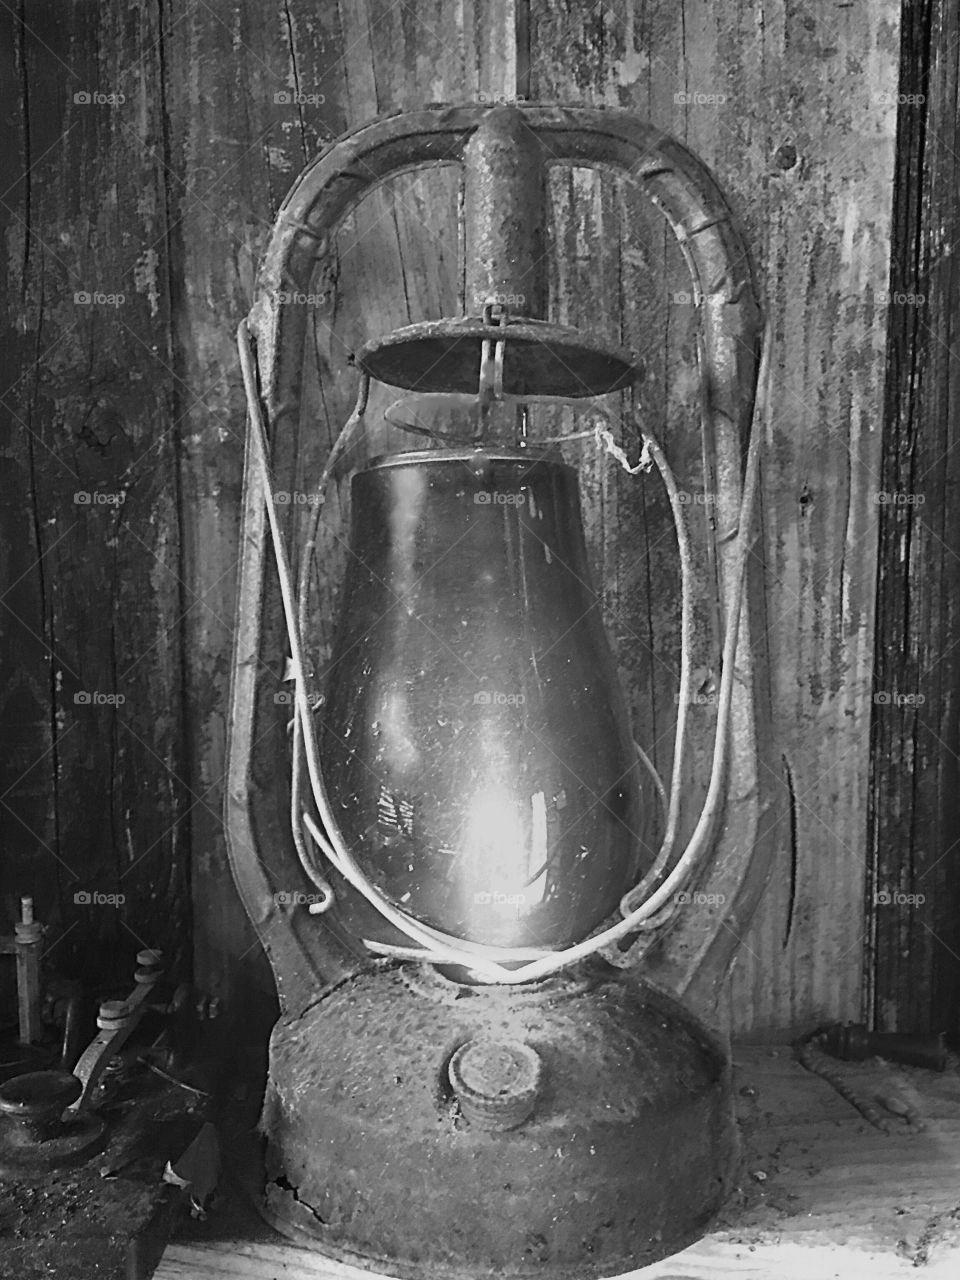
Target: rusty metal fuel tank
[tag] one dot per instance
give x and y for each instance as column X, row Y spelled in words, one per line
column 623, row 1154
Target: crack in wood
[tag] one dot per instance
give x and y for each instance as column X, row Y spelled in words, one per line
column 792, row 894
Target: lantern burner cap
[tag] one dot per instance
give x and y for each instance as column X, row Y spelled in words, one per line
column 539, row 358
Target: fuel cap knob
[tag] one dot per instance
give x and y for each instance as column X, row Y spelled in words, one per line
column 496, row 1082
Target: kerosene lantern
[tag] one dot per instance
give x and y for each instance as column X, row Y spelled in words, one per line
column 467, row 1078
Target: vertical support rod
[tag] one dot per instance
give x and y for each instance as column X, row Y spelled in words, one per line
column 504, row 251
column 29, row 936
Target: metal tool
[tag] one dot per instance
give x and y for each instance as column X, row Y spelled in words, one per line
column 48, row 1118
column 26, row 944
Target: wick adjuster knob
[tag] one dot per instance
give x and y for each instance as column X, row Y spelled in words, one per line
column 496, row 1082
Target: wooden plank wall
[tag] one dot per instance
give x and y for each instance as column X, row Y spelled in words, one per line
column 93, row 789
column 792, row 105
column 914, row 889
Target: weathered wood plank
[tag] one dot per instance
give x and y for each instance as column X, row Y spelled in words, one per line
column 27, row 814
column 714, row 1261
column 915, row 785
column 827, row 218
column 89, row 413
column 232, row 170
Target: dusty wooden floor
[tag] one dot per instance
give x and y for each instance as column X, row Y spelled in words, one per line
column 823, row 1195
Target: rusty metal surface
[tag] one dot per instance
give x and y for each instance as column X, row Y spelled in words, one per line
column 504, row 203
column 682, row 188
column 540, row 359
column 35, row 1135
column 627, row 1154
column 117, row 1022
column 476, row 746
column 676, row 181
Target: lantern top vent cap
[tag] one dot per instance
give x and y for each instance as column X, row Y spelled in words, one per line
column 539, row 358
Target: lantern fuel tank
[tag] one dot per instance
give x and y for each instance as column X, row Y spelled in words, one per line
column 475, row 740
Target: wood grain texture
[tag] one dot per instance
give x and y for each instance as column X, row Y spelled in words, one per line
column 231, row 171
column 831, row 85
column 714, row 1261
column 914, row 893
column 92, row 678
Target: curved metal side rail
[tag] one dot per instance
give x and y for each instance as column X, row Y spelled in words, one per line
column 696, row 955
